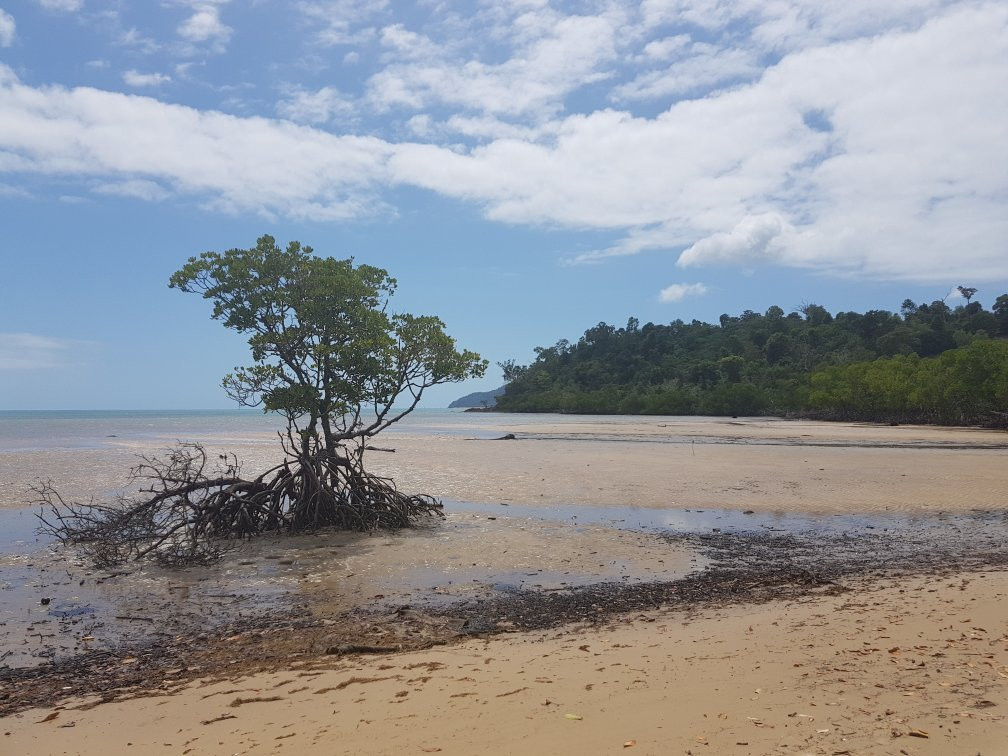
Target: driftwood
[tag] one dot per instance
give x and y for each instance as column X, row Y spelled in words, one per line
column 188, row 511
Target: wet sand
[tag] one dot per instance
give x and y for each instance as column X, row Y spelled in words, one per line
column 764, row 478
column 54, row 605
column 886, row 664
column 916, row 668
column 760, row 464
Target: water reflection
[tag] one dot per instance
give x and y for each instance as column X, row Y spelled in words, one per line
column 54, row 605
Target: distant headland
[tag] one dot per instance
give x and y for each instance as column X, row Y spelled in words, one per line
column 478, row 399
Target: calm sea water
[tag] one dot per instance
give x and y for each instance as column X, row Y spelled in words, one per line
column 82, row 429
column 37, row 430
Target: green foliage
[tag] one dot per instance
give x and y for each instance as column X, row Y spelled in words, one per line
column 511, row 370
column 807, row 362
column 960, row 386
column 1000, row 312
column 731, row 368
column 778, row 348
column 326, row 352
column 968, row 292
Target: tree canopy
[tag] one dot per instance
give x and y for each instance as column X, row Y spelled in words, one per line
column 777, row 363
column 326, row 351
column 328, row 355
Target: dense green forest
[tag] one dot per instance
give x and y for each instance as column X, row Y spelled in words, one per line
column 928, row 363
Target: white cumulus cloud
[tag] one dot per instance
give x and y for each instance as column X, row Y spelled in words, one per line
column 677, row 292
column 229, row 163
column 853, row 137
column 883, row 156
column 205, row 25
column 755, row 239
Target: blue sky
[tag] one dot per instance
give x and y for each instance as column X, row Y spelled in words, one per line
column 525, row 169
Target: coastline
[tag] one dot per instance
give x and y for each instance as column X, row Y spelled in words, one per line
column 825, row 655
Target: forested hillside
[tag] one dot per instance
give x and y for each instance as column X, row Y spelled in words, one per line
column 929, row 363
column 478, row 399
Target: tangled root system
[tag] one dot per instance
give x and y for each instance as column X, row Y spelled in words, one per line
column 189, row 511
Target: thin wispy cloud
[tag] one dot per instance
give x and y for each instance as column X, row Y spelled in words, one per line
column 137, row 188
column 136, row 79
column 315, row 107
column 555, row 56
column 698, row 68
column 133, row 39
column 343, row 22
column 7, row 28
column 28, row 351
column 66, row 6
column 16, row 192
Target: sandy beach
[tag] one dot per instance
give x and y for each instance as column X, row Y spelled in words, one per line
column 918, row 668
column 789, row 466
column 909, row 660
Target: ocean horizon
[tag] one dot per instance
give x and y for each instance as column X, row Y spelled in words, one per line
column 38, row 430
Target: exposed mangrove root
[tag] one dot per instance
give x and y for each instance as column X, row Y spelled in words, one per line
column 189, row 511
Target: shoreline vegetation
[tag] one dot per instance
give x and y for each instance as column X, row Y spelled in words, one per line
column 929, row 364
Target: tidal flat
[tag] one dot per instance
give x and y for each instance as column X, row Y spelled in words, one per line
column 752, row 586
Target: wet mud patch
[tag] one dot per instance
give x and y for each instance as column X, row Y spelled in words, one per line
column 751, row 567
column 55, row 607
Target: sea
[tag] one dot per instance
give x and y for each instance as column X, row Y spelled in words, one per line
column 39, row 430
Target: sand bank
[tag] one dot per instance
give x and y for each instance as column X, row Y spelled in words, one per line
column 764, row 465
